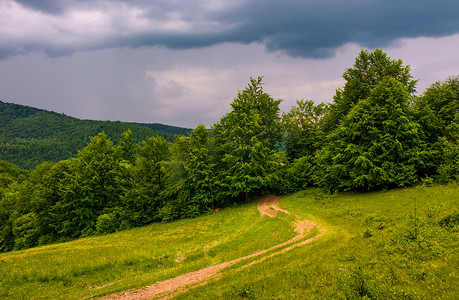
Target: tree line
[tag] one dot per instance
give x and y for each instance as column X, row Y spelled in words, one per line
column 375, row 135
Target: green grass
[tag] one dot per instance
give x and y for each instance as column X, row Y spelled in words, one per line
column 372, row 247
column 368, row 251
column 98, row 265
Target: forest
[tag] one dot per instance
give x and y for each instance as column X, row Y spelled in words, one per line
column 31, row 136
column 377, row 134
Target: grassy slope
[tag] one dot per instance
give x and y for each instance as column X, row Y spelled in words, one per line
column 368, row 250
column 137, row 257
column 348, row 263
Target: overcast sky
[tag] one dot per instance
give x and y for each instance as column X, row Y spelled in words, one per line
column 182, row 62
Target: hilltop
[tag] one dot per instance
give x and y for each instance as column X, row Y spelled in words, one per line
column 30, row 136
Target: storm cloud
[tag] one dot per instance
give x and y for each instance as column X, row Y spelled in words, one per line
column 298, row 28
column 182, row 62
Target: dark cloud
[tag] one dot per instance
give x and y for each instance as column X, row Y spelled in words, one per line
column 317, row 28
column 46, row 6
column 299, row 28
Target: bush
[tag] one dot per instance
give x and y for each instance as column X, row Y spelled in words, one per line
column 368, row 233
column 107, row 223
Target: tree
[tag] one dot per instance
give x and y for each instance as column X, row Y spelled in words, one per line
column 10, row 176
column 199, row 169
column 244, row 144
column 143, row 198
column 254, row 99
column 437, row 111
column 126, row 148
column 189, row 191
column 376, row 144
column 302, row 128
column 152, row 153
column 46, row 198
column 93, row 184
column 369, row 69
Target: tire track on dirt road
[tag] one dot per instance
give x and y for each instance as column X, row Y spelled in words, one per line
column 169, row 288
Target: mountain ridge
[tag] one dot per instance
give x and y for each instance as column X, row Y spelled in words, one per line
column 30, row 136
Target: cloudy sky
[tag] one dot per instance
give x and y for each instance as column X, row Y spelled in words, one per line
column 182, row 62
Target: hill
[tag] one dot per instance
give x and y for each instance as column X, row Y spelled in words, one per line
column 30, row 136
column 398, row 244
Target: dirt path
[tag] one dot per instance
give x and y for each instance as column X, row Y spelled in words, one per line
column 169, row 288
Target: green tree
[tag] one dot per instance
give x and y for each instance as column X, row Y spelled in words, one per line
column 376, row 144
column 126, row 148
column 47, row 198
column 302, row 137
column 369, row 69
column 11, row 176
column 254, row 99
column 143, row 196
column 302, row 128
column 94, row 184
column 437, row 110
column 199, row 169
column 244, row 145
column 25, row 231
column 189, row 191
column 10, row 173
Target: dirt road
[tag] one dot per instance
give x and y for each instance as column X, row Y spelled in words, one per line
column 171, row 287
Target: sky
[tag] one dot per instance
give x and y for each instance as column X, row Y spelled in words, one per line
column 182, row 62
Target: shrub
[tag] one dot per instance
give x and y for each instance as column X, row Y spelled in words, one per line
column 107, row 223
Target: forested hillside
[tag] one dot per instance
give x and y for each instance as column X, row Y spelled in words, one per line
column 30, row 136
column 376, row 135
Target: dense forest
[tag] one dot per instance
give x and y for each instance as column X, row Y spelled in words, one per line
column 375, row 135
column 31, row 136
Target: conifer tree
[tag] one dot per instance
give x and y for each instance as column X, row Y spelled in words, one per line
column 245, row 142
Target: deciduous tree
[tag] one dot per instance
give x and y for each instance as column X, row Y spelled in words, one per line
column 376, row 144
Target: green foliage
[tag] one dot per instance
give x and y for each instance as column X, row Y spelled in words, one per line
column 448, row 170
column 25, row 231
column 299, row 174
column 369, row 69
column 302, row 127
column 30, row 136
column 249, row 164
column 244, row 292
column 376, row 145
column 450, row 221
column 375, row 136
column 10, row 173
column 95, row 183
column 438, row 113
column 254, row 99
column 142, row 196
column 190, row 186
column 244, row 144
column 107, row 223
column 126, row 149
column 10, row 177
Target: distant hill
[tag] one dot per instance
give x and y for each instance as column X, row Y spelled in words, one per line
column 30, row 136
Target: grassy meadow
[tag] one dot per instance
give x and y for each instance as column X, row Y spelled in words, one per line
column 397, row 244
